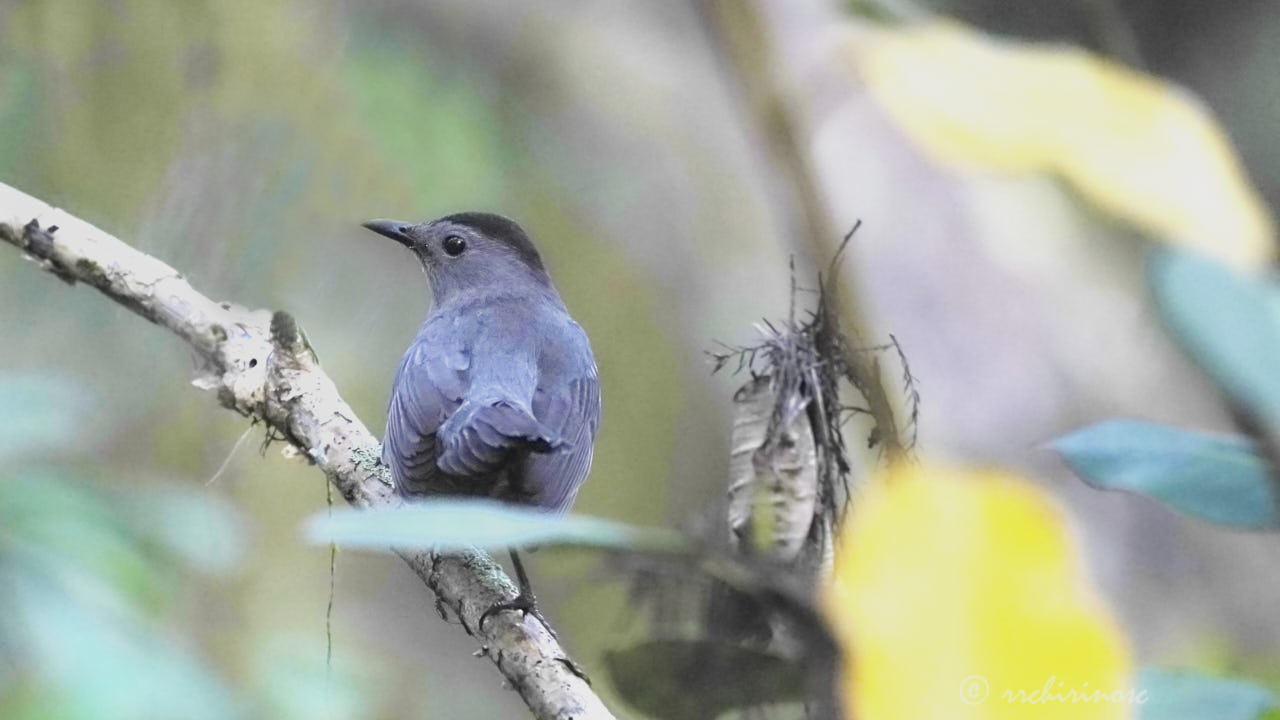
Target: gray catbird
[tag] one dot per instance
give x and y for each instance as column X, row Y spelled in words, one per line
column 498, row 394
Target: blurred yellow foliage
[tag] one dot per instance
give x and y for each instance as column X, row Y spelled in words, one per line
column 1135, row 146
column 959, row 595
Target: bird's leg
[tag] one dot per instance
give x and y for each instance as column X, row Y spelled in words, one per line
column 525, row 602
column 522, row 577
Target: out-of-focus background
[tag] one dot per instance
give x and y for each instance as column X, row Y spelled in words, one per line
column 243, row 142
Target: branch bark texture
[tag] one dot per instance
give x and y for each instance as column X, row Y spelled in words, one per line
column 260, row 365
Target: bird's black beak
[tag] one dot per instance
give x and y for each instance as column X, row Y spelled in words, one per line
column 394, row 229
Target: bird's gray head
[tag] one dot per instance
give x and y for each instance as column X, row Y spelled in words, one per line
column 469, row 251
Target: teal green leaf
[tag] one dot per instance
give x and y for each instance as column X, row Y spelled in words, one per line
column 39, row 412
column 1228, row 323
column 1218, row 478
column 293, row 678
column 106, row 661
column 458, row 523
column 83, row 585
column 1176, row 695
column 64, row 529
column 202, row 528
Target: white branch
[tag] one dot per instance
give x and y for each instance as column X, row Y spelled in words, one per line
column 261, row 366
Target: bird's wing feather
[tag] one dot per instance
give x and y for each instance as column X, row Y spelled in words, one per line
column 454, row 425
column 429, row 386
column 455, row 416
column 552, row 479
column 480, row 436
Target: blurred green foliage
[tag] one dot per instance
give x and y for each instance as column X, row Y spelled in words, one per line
column 1227, row 322
column 243, row 142
column 88, row 578
column 92, row 581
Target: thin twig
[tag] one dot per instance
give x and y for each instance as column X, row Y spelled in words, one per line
column 333, row 573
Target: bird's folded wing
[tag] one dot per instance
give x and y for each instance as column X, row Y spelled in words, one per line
column 553, row 478
column 480, row 437
column 428, row 386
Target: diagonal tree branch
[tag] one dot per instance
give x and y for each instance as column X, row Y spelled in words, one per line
column 261, row 366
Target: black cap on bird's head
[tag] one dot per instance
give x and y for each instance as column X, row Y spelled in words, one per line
column 467, row 250
column 501, row 229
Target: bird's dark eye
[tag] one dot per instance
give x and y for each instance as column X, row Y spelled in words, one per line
column 454, row 245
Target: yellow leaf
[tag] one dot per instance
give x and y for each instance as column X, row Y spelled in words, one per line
column 959, row 596
column 1138, row 148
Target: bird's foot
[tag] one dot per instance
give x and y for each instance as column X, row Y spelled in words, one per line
column 526, row 602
